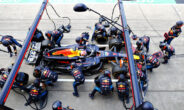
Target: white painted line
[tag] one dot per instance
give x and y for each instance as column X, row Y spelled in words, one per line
column 96, row 45
column 86, row 80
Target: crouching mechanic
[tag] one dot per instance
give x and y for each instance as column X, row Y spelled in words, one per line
column 167, row 50
column 145, row 40
column 55, row 36
column 45, row 75
column 57, row 105
column 122, row 88
column 152, row 62
column 38, row 36
column 174, row 32
column 103, row 84
column 82, row 41
column 78, row 76
column 36, row 92
column 8, row 41
column 99, row 32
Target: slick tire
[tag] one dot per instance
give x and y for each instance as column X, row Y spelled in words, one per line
column 116, row 43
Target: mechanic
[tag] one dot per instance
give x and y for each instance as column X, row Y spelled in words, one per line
column 122, row 88
column 57, row 105
column 167, row 50
column 174, row 32
column 152, row 62
column 82, row 41
column 114, row 32
column 8, row 41
column 45, row 75
column 38, row 36
column 103, row 84
column 85, row 37
column 99, row 31
column 36, row 92
column 78, row 76
column 144, row 39
column 141, row 72
column 55, row 36
column 139, row 48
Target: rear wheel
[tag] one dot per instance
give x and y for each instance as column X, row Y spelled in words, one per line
column 117, row 70
column 115, row 43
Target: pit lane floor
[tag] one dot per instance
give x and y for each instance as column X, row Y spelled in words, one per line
column 166, row 89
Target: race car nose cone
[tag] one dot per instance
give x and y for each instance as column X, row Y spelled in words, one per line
column 80, row 7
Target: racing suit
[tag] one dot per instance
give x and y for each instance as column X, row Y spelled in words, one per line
column 168, row 52
column 123, row 90
column 152, row 62
column 8, row 41
column 99, row 31
column 46, row 75
column 56, row 37
column 146, row 41
column 173, row 33
column 79, row 79
column 38, row 36
column 36, row 94
column 103, row 85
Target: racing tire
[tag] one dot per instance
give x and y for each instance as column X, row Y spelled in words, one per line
column 116, row 43
column 46, row 44
column 117, row 70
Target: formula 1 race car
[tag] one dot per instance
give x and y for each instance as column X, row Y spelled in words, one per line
column 91, row 59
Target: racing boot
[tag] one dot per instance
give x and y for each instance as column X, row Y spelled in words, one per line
column 127, row 100
column 91, row 95
column 75, row 94
column 11, row 54
column 165, row 62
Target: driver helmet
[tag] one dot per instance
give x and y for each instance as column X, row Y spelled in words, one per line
column 134, row 37
column 57, row 105
column 179, row 24
column 107, row 73
column 83, row 53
